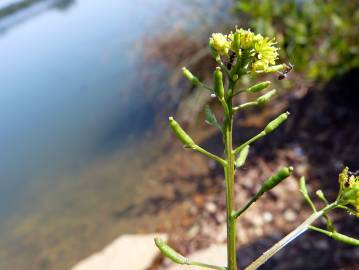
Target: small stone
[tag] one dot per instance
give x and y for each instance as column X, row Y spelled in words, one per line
column 322, row 244
column 267, row 217
column 211, row 207
column 290, row 215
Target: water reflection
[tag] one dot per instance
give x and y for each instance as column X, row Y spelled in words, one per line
column 16, row 12
column 75, row 112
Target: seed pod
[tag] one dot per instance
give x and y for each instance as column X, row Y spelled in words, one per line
column 188, row 74
column 276, row 123
column 180, row 133
column 242, row 157
column 275, row 179
column 218, row 83
column 170, row 252
column 345, row 239
column 275, row 68
column 258, row 87
column 266, row 97
column 236, row 42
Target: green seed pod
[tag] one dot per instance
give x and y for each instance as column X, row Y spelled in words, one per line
column 193, row 79
column 218, row 83
column 276, row 123
column 275, row 68
column 345, row 239
column 275, row 179
column 242, row 157
column 180, row 133
column 170, row 252
column 258, row 87
column 266, row 97
column 236, row 42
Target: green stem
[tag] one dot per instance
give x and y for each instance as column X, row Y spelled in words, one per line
column 255, row 138
column 246, row 206
column 290, row 237
column 207, row 265
column 210, row 155
column 245, row 105
column 229, row 175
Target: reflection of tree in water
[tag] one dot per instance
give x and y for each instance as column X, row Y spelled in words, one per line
column 64, row 4
column 23, row 5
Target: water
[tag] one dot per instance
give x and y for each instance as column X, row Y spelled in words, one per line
column 74, row 114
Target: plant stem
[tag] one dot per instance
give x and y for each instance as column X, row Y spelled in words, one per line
column 255, row 138
column 229, row 175
column 207, row 265
column 289, row 237
column 246, row 206
column 210, row 155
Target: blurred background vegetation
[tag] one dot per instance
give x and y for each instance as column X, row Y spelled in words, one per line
column 320, row 37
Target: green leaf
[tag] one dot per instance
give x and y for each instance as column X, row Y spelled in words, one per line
column 211, row 118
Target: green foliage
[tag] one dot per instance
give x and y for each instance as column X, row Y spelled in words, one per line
column 320, row 37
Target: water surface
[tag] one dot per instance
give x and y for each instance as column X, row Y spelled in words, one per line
column 75, row 118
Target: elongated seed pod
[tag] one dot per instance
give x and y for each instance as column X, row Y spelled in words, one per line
column 242, row 157
column 170, row 252
column 180, row 133
column 276, row 123
column 275, row 179
column 275, row 68
column 266, row 97
column 345, row 239
column 188, row 74
column 258, row 87
column 218, row 83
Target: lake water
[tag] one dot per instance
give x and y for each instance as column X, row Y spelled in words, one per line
column 75, row 113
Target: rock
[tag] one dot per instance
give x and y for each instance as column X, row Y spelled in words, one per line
column 290, row 215
column 135, row 252
column 211, row 207
column 216, row 255
column 267, row 217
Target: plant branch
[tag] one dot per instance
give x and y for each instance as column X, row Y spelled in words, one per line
column 290, row 237
column 210, row 155
column 255, row 138
column 206, row 265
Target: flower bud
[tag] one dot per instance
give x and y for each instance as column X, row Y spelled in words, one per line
column 170, row 252
column 258, row 87
column 218, row 83
column 266, row 97
column 276, row 123
column 275, row 179
column 193, row 79
column 236, row 42
column 242, row 157
column 219, row 43
column 180, row 133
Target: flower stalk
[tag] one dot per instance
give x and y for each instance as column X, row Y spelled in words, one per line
column 237, row 54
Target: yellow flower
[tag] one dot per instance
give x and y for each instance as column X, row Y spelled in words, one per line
column 349, row 185
column 246, row 38
column 220, row 43
column 265, row 50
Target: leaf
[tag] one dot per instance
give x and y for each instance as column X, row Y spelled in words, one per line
column 211, row 118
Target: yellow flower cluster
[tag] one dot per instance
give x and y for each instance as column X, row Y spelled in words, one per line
column 262, row 50
column 350, row 183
